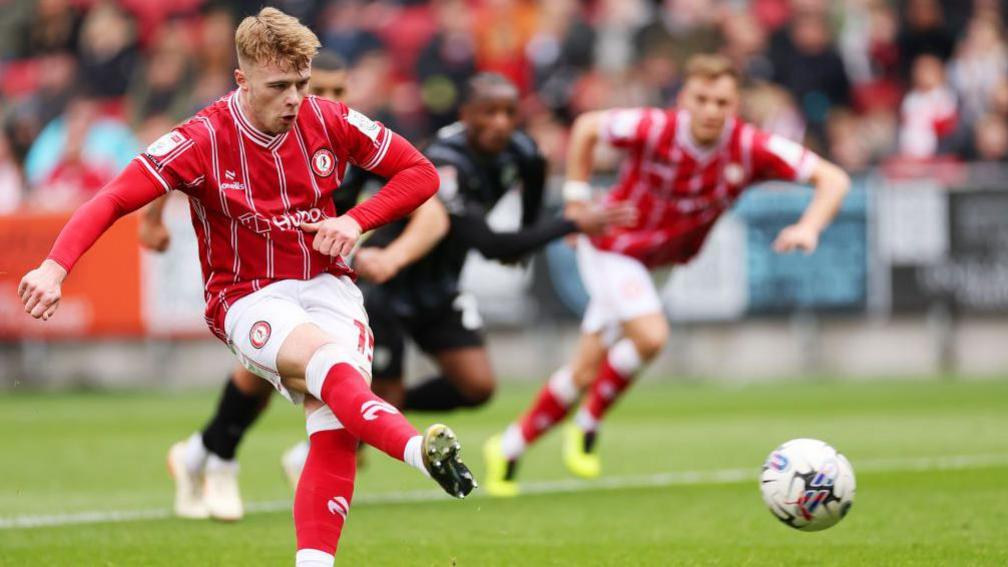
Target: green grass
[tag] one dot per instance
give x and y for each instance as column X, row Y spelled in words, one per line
column 64, row 453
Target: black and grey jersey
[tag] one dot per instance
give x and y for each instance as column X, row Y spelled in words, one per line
column 471, row 184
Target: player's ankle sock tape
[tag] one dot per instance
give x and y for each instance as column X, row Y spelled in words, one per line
column 624, row 358
column 313, row 558
column 321, row 361
column 561, row 383
column 236, row 411
column 322, row 419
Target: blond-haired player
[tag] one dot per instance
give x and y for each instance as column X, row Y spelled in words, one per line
column 259, row 167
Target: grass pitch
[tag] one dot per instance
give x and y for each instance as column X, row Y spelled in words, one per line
column 931, row 460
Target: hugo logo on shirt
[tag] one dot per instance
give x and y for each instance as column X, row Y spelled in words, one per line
column 290, row 220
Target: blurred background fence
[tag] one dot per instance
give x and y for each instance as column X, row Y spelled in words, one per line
column 910, row 96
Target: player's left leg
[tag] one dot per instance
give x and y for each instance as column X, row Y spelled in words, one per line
column 643, row 337
column 204, row 466
column 325, row 488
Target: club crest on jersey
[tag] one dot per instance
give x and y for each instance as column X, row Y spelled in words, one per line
column 323, row 162
column 734, row 174
column 260, row 334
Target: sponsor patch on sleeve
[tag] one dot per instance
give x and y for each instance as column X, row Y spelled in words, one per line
column 165, row 144
column 365, row 125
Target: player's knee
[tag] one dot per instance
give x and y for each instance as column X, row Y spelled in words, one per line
column 480, row 392
column 650, row 342
column 322, row 361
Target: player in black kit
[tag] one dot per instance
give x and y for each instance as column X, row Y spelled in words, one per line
column 479, row 159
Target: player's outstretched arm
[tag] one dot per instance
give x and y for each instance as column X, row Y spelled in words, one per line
column 831, row 186
column 131, row 189
column 426, row 227
column 411, row 181
column 589, row 218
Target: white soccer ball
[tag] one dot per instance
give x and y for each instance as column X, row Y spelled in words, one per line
column 807, row 484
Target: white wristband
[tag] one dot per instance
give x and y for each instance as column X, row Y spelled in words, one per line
column 576, row 191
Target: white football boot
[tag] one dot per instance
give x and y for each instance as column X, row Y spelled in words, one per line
column 293, row 461
column 220, row 490
column 188, row 485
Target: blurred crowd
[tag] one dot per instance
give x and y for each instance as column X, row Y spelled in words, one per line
column 84, row 84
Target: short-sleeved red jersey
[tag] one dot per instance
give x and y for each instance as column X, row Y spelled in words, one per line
column 249, row 191
column 679, row 188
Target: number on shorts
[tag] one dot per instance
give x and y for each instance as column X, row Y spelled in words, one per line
column 365, row 340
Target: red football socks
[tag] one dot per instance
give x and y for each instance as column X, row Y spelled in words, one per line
column 550, row 406
column 604, row 391
column 323, row 495
column 368, row 417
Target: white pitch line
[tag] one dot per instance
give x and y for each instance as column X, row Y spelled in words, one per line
column 658, row 480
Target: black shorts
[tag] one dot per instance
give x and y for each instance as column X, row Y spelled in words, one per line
column 455, row 325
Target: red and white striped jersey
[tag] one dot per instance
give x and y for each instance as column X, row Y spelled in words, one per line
column 679, row 188
column 249, row 191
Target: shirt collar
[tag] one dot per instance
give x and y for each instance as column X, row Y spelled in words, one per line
column 251, row 132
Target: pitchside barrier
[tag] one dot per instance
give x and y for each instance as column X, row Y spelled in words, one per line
column 928, row 241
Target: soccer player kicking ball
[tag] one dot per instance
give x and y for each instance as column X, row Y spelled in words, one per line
column 259, row 167
column 684, row 167
column 203, row 466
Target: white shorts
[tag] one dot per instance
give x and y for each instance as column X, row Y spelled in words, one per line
column 619, row 288
column 257, row 324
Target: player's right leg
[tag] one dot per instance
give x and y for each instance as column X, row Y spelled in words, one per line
column 387, row 380
column 555, row 399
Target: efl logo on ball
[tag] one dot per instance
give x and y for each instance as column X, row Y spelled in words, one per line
column 323, row 162
column 260, row 334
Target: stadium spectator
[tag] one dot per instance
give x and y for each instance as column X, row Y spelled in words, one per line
column 924, row 33
column 745, row 43
column 82, row 141
column 162, row 85
column 807, row 64
column 559, row 52
column 502, row 29
column 447, row 62
column 53, row 27
column 980, row 62
column 680, row 29
column 343, row 29
column 990, row 139
column 215, row 59
column 108, row 51
column 928, row 113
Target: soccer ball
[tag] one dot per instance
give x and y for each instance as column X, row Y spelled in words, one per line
column 807, row 484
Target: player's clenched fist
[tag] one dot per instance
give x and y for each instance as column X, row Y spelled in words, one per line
column 40, row 289
column 335, row 236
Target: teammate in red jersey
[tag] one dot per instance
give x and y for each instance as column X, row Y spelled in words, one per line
column 683, row 168
column 259, row 167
